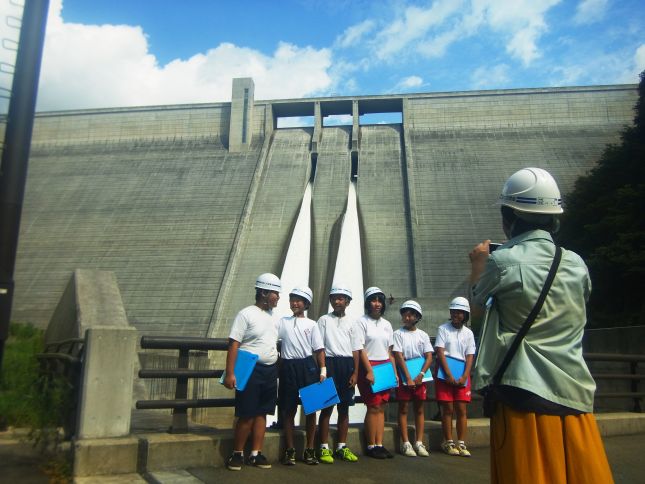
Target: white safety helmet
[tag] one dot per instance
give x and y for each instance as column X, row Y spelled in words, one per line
column 532, row 190
column 373, row 290
column 303, row 292
column 462, row 304
column 340, row 289
column 411, row 305
column 268, row 281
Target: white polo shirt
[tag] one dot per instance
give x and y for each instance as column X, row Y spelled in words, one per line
column 375, row 337
column 300, row 337
column 256, row 332
column 338, row 335
column 413, row 344
column 457, row 343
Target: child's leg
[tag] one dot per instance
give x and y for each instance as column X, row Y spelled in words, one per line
column 462, row 420
column 310, row 421
column 323, row 423
column 371, row 424
column 243, row 428
column 403, row 421
column 380, row 425
column 419, row 419
column 259, row 427
column 287, row 424
column 343, row 421
column 446, row 420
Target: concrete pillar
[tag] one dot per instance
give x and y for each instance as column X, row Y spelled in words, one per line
column 315, row 141
column 355, row 126
column 106, row 383
column 241, row 121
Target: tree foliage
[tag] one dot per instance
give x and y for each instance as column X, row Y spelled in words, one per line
column 604, row 221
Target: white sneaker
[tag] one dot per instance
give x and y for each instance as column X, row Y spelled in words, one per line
column 421, row 450
column 463, row 451
column 449, row 448
column 407, row 450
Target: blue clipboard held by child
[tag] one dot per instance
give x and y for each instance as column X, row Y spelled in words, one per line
column 414, row 368
column 318, row 395
column 244, row 365
column 384, row 377
column 455, row 365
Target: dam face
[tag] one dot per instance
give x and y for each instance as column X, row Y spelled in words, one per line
column 188, row 204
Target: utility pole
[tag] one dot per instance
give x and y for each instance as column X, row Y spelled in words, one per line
column 15, row 154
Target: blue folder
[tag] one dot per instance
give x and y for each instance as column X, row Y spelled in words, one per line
column 456, row 366
column 414, row 368
column 244, row 366
column 384, row 377
column 318, row 395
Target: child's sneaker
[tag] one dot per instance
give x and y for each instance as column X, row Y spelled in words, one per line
column 421, row 450
column 309, row 457
column 463, row 451
column 234, row 462
column 407, row 450
column 325, row 456
column 449, row 448
column 289, row 458
column 259, row 461
column 345, row 454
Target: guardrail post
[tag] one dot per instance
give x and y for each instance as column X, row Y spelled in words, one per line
column 180, row 415
column 637, row 401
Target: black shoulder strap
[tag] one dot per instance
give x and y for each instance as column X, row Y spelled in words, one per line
column 531, row 317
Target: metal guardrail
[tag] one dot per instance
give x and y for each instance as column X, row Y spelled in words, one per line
column 180, row 404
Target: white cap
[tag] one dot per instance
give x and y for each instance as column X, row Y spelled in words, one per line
column 304, row 292
column 373, row 290
column 268, row 281
column 460, row 303
column 340, row 289
column 532, row 190
column 411, row 305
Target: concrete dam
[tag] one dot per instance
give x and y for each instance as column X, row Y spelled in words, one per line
column 187, row 204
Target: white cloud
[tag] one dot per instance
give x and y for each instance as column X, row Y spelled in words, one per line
column 87, row 66
column 355, row 34
column 495, row 77
column 639, row 59
column 407, row 83
column 590, row 11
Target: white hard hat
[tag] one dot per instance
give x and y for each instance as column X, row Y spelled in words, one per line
column 411, row 305
column 340, row 289
column 532, row 190
column 373, row 290
column 460, row 303
column 304, row 292
column 268, row 281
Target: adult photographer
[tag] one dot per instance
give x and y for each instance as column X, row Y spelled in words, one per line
column 540, row 390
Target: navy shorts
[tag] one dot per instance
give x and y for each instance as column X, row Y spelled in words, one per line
column 341, row 368
column 295, row 374
column 260, row 395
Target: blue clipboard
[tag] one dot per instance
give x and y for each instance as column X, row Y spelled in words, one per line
column 318, row 395
column 414, row 368
column 456, row 366
column 244, row 366
column 384, row 377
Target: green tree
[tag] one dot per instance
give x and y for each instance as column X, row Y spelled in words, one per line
column 604, row 221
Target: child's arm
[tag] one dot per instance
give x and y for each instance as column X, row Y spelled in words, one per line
column 396, row 373
column 400, row 361
column 354, row 377
column 231, row 358
column 426, row 365
column 441, row 358
column 464, row 378
column 369, row 374
column 320, row 358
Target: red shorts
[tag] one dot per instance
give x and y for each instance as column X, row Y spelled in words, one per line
column 370, row 398
column 406, row 393
column 451, row 393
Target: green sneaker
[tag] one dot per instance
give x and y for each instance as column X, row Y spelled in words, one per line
column 346, row 454
column 326, row 456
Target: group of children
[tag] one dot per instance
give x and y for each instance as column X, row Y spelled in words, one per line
column 346, row 349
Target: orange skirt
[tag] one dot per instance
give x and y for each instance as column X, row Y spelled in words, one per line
column 534, row 448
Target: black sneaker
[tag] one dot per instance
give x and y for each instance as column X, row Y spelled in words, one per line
column 259, row 461
column 376, row 453
column 289, row 457
column 234, row 462
column 387, row 453
column 309, row 457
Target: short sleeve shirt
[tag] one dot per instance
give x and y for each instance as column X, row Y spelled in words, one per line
column 375, row 336
column 256, row 332
column 413, row 344
column 300, row 337
column 338, row 335
column 457, row 343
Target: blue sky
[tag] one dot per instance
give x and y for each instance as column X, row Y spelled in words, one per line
column 105, row 53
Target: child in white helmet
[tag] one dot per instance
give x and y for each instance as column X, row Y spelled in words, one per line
column 341, row 357
column 300, row 339
column 455, row 340
column 411, row 343
column 254, row 330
